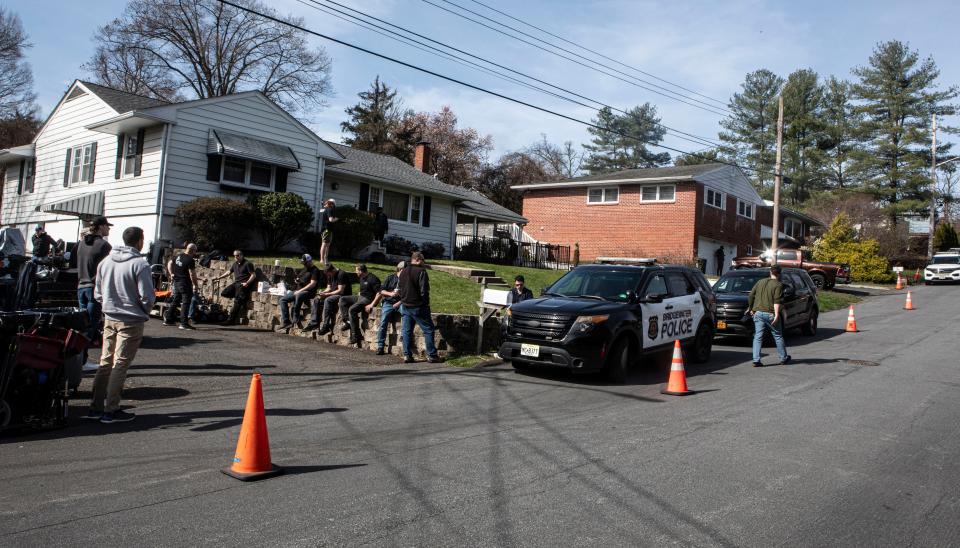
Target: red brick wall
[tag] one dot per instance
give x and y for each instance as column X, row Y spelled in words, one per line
column 627, row 229
column 725, row 225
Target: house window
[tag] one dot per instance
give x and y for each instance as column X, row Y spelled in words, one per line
column 793, row 228
column 658, row 193
column 415, row 205
column 607, row 195
column 240, row 172
column 29, row 175
column 374, row 200
column 81, row 160
column 397, row 206
column 713, row 198
column 744, row 209
column 130, row 154
column 749, row 250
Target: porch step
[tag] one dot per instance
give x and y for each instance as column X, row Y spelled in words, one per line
column 489, row 280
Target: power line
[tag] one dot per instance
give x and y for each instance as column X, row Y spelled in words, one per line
column 632, row 79
column 622, row 64
column 475, row 87
column 696, row 139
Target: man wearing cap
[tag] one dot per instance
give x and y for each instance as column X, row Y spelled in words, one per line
column 42, row 243
column 91, row 249
column 308, row 281
column 388, row 294
column 183, row 272
column 327, row 218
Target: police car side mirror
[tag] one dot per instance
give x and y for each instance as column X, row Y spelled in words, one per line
column 652, row 298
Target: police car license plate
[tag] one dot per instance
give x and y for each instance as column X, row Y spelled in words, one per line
column 721, row 324
column 530, row 350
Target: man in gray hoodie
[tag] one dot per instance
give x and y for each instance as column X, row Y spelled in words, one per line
column 124, row 288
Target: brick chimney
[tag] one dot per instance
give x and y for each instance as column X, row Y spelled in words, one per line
column 421, row 156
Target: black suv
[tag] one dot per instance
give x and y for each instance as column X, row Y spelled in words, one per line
column 733, row 289
column 605, row 316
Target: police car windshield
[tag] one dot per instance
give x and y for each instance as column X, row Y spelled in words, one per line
column 610, row 285
column 948, row 259
column 739, row 283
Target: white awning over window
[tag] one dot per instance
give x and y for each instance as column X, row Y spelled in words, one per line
column 85, row 205
column 240, row 146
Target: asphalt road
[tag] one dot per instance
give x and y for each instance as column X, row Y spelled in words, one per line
column 822, row 452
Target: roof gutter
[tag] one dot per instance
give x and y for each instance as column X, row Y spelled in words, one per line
column 601, row 182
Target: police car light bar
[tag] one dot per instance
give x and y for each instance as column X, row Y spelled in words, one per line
column 626, row 260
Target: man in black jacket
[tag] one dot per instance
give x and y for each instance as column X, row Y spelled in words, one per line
column 352, row 306
column 183, row 273
column 244, row 276
column 91, row 249
column 380, row 225
column 519, row 293
column 42, row 243
column 414, row 289
column 324, row 308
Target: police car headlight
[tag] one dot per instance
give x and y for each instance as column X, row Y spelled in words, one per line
column 586, row 323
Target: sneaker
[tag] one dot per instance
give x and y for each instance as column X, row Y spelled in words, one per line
column 168, row 324
column 311, row 326
column 92, row 415
column 434, row 359
column 786, row 360
column 381, row 352
column 758, row 364
column 187, row 327
column 353, row 340
column 344, row 327
column 285, row 325
column 117, row 416
column 324, row 330
column 408, row 359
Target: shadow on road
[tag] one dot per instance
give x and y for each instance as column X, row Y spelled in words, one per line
column 168, row 343
column 297, row 470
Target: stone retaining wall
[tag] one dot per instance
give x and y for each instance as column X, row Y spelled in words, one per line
column 455, row 334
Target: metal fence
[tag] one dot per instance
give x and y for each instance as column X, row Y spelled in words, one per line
column 511, row 252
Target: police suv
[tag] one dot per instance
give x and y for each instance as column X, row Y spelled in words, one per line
column 945, row 267
column 605, row 316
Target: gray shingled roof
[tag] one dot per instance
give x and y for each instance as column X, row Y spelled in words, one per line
column 121, row 101
column 649, row 173
column 390, row 169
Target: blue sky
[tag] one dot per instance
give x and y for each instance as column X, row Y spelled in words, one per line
column 704, row 46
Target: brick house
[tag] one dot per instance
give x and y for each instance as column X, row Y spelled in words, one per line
column 675, row 214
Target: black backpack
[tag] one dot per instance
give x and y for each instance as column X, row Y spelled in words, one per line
column 214, row 255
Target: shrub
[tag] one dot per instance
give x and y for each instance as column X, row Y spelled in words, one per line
column 352, row 231
column 282, row 217
column 838, row 245
column 433, row 250
column 214, row 223
column 944, row 237
column 398, row 245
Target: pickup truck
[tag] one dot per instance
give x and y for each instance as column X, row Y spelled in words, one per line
column 824, row 275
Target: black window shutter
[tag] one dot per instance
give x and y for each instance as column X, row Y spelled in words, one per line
column 139, row 162
column 213, row 167
column 93, row 161
column 364, row 197
column 33, row 175
column 280, row 185
column 23, row 167
column 426, row 211
column 66, row 169
column 116, row 170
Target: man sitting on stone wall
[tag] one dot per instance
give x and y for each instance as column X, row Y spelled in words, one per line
column 352, row 306
column 338, row 286
column 308, row 282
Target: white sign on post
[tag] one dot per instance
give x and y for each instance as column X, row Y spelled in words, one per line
column 898, row 269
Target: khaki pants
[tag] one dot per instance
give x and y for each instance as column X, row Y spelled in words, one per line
column 120, row 343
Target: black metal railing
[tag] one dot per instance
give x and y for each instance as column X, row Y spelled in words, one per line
column 507, row 251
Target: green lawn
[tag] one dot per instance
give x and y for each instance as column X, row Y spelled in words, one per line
column 536, row 279
column 832, row 300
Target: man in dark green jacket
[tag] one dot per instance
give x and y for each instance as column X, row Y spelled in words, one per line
column 766, row 305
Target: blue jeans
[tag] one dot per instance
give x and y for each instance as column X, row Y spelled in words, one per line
column 87, row 302
column 297, row 299
column 421, row 315
column 761, row 322
column 386, row 312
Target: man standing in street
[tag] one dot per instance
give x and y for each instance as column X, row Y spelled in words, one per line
column 415, row 307
column 519, row 293
column 91, row 249
column 244, row 275
column 380, row 225
column 338, row 286
column 183, row 271
column 766, row 305
column 124, row 287
column 327, row 218
column 388, row 294
column 308, row 281
column 42, row 243
column 352, row 306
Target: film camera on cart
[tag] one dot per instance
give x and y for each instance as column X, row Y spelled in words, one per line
column 41, row 349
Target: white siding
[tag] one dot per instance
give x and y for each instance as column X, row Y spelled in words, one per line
column 250, row 115
column 131, row 196
column 441, row 212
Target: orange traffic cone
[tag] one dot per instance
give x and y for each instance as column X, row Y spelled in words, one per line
column 909, row 305
column 851, row 322
column 252, row 459
column 677, row 383
column 899, row 281
column 916, row 276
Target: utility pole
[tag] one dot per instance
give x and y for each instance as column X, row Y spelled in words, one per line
column 933, row 189
column 777, row 176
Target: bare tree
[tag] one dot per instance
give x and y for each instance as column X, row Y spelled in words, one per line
column 556, row 161
column 16, row 79
column 204, row 48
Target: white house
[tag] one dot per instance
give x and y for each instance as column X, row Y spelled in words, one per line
column 135, row 159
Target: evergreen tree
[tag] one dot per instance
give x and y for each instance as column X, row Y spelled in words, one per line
column 751, row 131
column 622, row 143
column 709, row 156
column 803, row 127
column 944, row 237
column 374, row 122
column 897, row 94
column 838, row 140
